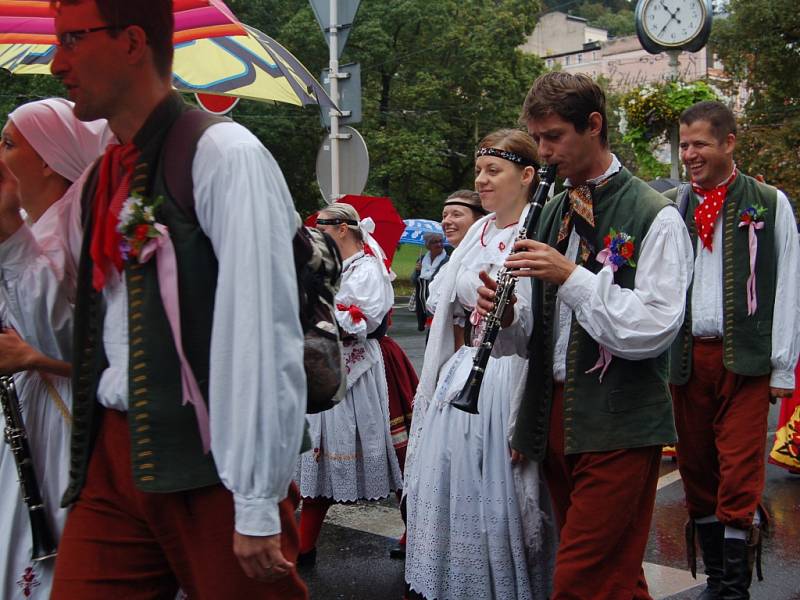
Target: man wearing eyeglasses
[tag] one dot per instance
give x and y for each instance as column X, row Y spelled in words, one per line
column 189, row 389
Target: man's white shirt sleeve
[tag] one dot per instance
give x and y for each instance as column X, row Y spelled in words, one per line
column 637, row 323
column 257, row 390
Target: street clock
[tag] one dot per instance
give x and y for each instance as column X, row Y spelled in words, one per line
column 673, row 25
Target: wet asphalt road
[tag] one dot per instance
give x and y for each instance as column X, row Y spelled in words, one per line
column 353, row 561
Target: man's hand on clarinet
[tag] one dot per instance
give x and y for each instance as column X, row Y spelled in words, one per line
column 535, row 259
column 486, row 296
column 261, row 558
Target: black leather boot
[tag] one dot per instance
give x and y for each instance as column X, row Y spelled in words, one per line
column 711, row 537
column 740, row 556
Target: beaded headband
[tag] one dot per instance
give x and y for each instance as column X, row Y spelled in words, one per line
column 507, row 155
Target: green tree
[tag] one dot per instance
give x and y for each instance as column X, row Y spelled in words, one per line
column 436, row 76
column 759, row 44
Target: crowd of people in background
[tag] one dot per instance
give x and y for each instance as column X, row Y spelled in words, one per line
column 158, row 356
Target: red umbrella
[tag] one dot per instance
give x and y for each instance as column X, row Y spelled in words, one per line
column 31, row 21
column 389, row 227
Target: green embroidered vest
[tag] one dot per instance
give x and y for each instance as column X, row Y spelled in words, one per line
column 747, row 340
column 631, row 407
column 166, row 451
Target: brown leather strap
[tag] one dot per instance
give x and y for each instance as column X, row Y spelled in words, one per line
column 178, row 153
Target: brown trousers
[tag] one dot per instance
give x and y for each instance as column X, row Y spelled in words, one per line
column 603, row 502
column 721, row 420
column 120, row 542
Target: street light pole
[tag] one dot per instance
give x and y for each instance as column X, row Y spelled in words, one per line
column 674, row 131
column 334, row 114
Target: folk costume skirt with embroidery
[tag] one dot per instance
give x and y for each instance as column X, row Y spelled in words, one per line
column 49, row 438
column 469, row 535
column 352, row 456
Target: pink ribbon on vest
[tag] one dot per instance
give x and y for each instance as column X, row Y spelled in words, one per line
column 752, row 299
column 603, row 362
column 167, row 267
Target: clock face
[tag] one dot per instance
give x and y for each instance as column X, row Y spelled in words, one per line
column 673, row 22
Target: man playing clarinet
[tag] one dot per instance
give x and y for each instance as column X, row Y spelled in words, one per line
column 610, row 262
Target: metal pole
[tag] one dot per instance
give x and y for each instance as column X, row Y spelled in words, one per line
column 674, row 137
column 334, row 75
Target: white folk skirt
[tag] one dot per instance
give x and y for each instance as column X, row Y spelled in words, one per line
column 478, row 527
column 352, row 456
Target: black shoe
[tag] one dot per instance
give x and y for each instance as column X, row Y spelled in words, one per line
column 711, row 537
column 398, row 552
column 307, row 559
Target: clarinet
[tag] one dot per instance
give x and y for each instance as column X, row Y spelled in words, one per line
column 17, row 439
column 467, row 399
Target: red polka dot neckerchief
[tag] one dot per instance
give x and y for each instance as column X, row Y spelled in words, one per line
column 501, row 245
column 706, row 213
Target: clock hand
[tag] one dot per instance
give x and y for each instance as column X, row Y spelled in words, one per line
column 672, row 15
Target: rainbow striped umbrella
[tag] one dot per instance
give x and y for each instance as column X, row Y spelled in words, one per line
column 214, row 53
column 31, row 21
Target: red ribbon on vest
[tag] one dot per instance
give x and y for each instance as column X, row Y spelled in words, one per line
column 114, row 183
column 706, row 213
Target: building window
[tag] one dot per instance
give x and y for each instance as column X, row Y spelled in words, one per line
column 580, row 58
column 549, row 63
column 566, row 60
column 594, row 55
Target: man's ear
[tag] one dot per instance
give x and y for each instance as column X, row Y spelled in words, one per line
column 595, row 124
column 137, row 43
column 729, row 144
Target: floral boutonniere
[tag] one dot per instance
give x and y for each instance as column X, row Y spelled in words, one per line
column 618, row 251
column 137, row 224
column 752, row 215
column 752, row 218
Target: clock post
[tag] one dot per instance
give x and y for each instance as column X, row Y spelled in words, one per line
column 673, row 26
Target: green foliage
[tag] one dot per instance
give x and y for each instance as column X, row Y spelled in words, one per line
column 19, row 90
column 759, row 44
column 650, row 112
column 436, row 76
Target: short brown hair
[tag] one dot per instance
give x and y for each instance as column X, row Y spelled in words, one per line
column 719, row 116
column 155, row 17
column 571, row 97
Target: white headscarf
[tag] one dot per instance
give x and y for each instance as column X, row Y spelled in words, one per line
column 66, row 144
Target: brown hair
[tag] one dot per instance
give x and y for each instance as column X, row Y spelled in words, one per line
column 155, row 17
column 571, row 97
column 516, row 141
column 469, row 199
column 719, row 116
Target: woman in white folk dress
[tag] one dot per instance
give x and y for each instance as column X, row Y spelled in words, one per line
column 44, row 149
column 478, row 525
column 352, row 456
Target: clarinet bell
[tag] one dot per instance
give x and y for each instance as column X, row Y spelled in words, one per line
column 43, row 545
column 467, row 399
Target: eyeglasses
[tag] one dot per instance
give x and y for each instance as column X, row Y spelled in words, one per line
column 69, row 39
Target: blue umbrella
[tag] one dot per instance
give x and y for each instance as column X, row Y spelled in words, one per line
column 416, row 230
